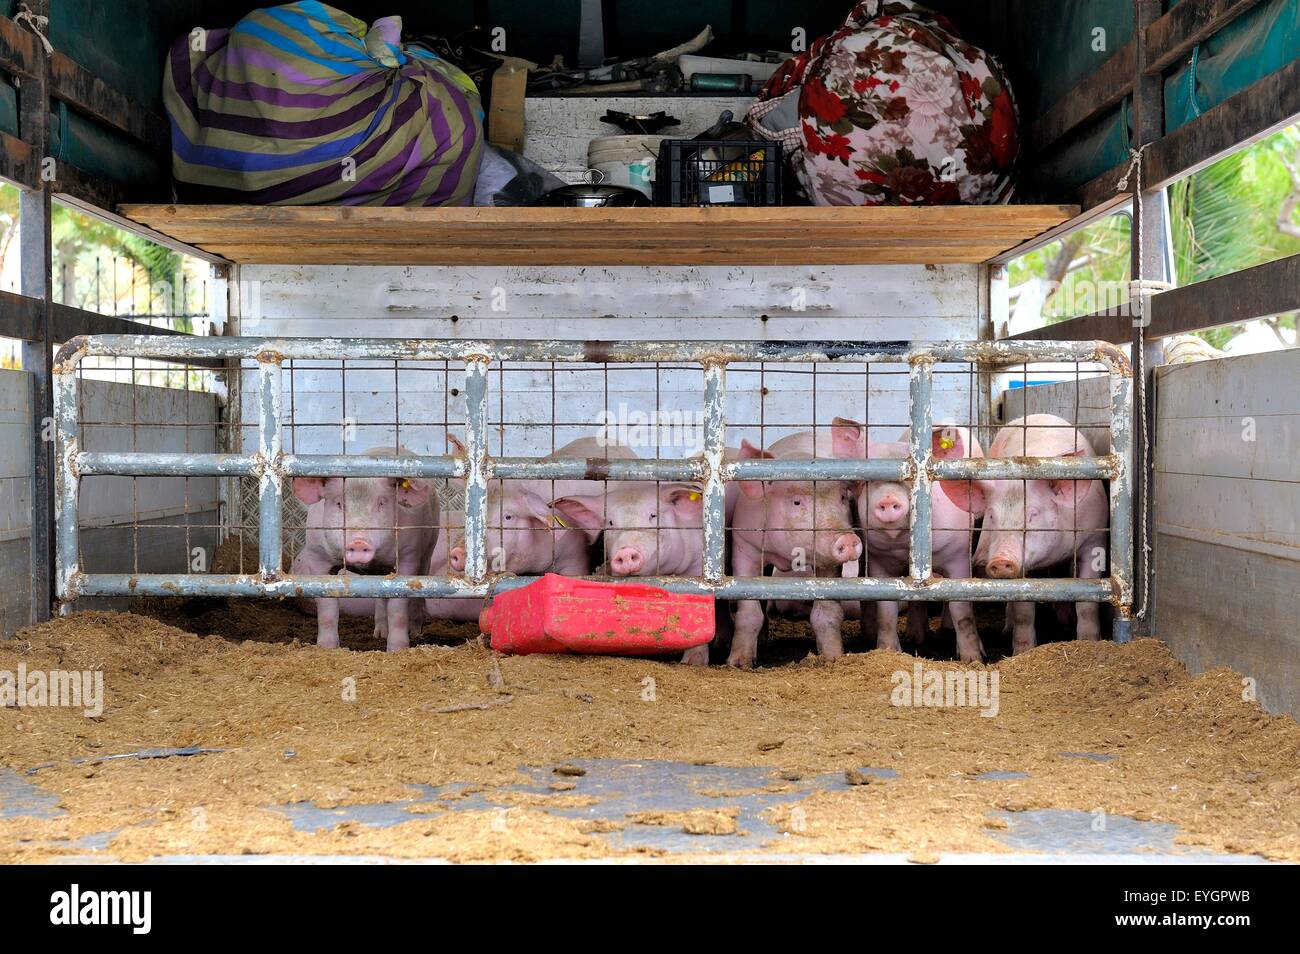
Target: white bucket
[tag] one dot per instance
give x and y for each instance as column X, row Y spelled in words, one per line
column 625, row 160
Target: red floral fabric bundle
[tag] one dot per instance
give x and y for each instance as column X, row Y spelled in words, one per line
column 894, row 108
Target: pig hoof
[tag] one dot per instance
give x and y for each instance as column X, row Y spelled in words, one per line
column 399, row 643
column 740, row 662
column 326, row 642
column 696, row 656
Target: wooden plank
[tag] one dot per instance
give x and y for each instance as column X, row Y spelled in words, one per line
column 18, row 163
column 1101, row 90
column 1101, row 326
column 1211, row 388
column 1191, row 22
column 648, row 236
column 20, row 317
column 18, row 53
column 87, row 93
column 1259, row 292
column 1255, row 112
column 1224, row 606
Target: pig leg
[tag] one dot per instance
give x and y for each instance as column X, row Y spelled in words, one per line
column 969, row 647
column 381, row 619
column 827, row 625
column 1023, row 637
column 886, row 616
column 1089, row 614
column 746, row 561
column 327, row 624
column 399, row 620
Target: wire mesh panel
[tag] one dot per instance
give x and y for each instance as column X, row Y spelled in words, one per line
column 749, row 470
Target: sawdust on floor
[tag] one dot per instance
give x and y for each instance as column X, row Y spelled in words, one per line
column 334, row 728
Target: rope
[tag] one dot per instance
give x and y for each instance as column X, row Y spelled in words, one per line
column 37, row 24
column 1144, row 287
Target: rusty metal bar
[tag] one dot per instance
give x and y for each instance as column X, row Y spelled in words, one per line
column 269, row 487
column 991, row 353
column 732, row 588
column 715, row 490
column 920, row 397
column 476, row 477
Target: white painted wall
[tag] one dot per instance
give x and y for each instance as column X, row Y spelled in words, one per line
column 1227, row 518
column 541, row 410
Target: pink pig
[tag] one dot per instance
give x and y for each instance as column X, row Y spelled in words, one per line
column 524, row 536
column 1036, row 524
column 651, row 530
column 800, row 528
column 884, row 511
column 366, row 525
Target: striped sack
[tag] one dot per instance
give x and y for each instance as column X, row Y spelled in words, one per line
column 302, row 104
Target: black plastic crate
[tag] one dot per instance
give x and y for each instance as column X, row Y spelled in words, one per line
column 734, row 172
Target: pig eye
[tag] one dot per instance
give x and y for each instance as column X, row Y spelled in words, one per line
column 508, row 516
column 654, row 516
column 609, row 523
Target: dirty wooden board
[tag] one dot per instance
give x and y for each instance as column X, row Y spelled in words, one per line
column 559, row 236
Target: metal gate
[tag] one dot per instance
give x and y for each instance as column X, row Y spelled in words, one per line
column 271, row 466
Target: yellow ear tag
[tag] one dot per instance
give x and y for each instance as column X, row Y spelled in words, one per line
column 555, row 519
column 695, row 496
column 404, row 484
column 947, row 443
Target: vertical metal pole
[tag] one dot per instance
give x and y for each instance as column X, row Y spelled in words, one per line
column 476, row 425
column 269, row 490
column 1146, row 264
column 36, row 282
column 66, row 482
column 920, row 386
column 715, row 490
column 1121, row 502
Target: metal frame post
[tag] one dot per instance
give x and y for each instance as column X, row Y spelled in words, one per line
column 37, row 282
column 920, row 397
column 270, row 492
column 1147, row 263
column 476, row 470
column 715, row 491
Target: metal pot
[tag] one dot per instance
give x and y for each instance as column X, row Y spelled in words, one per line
column 593, row 195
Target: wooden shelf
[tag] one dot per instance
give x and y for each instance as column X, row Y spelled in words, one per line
column 338, row 235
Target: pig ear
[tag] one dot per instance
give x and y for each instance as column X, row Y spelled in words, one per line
column 582, row 510
column 309, row 489
column 457, row 448
column 848, row 439
column 539, row 511
column 752, row 489
column 686, row 499
column 948, row 441
column 1070, row 493
column 968, row 495
column 412, row 492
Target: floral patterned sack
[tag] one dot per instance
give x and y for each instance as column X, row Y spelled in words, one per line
column 894, row 108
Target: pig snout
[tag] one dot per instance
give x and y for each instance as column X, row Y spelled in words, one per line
column 1003, row 568
column 847, row 548
column 890, row 508
column 359, row 552
column 626, row 561
column 456, row 559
